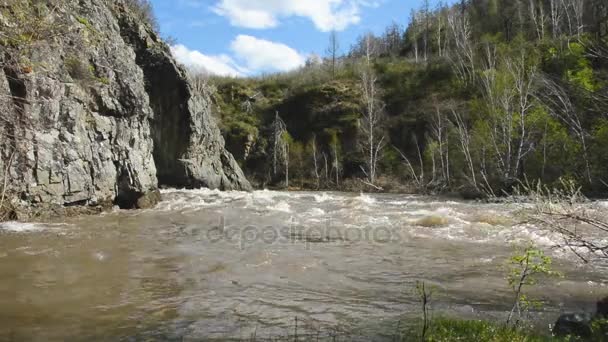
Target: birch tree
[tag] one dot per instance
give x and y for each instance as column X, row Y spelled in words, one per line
column 439, row 128
column 427, row 27
column 558, row 101
column 373, row 141
column 462, row 56
column 555, row 8
column 508, row 91
column 315, row 161
column 537, row 16
column 278, row 139
column 464, row 138
column 414, row 32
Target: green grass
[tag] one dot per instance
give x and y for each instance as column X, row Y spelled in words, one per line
column 457, row 330
column 448, row 330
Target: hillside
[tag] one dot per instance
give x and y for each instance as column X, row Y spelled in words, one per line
column 475, row 97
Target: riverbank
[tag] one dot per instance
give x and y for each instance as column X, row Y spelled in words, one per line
column 442, row 329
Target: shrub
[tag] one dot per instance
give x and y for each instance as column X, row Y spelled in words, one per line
column 144, row 11
column 78, row 70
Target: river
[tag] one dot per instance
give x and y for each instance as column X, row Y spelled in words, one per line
column 208, row 264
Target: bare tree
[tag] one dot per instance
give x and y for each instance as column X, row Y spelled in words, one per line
column 336, row 162
column 418, row 178
column 315, row 160
column 427, row 27
column 439, row 128
column 537, row 16
column 392, row 39
column 285, row 148
column 465, row 146
column 278, row 137
column 573, row 11
column 373, row 141
column 326, row 167
column 558, row 102
column 414, row 30
column 523, row 79
column 581, row 223
column 555, row 7
column 462, row 56
column 440, row 27
column 144, row 11
column 333, row 50
column 508, row 91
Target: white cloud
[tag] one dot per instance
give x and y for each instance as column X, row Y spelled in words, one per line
column 221, row 65
column 250, row 55
column 325, row 14
column 263, row 55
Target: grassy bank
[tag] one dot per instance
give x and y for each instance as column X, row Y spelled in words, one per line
column 441, row 330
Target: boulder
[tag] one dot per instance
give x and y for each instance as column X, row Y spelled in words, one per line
column 578, row 324
column 602, row 308
column 583, row 324
column 149, row 200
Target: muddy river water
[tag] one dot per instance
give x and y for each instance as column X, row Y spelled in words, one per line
column 206, row 264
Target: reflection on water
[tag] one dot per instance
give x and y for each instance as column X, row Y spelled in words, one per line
column 209, row 264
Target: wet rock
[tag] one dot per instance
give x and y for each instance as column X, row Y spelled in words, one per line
column 602, row 308
column 582, row 324
column 578, row 324
column 149, row 200
column 471, row 193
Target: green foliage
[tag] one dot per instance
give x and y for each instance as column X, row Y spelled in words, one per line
column 524, row 271
column 515, row 130
column 599, row 330
column 85, row 22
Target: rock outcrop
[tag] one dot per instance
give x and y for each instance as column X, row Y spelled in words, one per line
column 585, row 325
column 95, row 110
column 183, row 124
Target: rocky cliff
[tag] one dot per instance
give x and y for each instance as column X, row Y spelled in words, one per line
column 94, row 110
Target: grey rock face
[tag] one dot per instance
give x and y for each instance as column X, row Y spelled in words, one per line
column 94, row 115
column 189, row 148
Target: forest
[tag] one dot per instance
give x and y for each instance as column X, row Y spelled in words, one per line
column 471, row 98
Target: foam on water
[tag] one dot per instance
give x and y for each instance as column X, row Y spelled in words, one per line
column 323, row 197
column 314, row 212
column 366, row 199
column 23, row 227
column 282, row 206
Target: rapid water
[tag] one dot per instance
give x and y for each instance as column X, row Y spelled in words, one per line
column 207, row 264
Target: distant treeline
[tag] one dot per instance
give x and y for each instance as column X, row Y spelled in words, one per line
column 476, row 96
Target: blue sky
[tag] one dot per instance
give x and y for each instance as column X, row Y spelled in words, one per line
column 249, row 37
